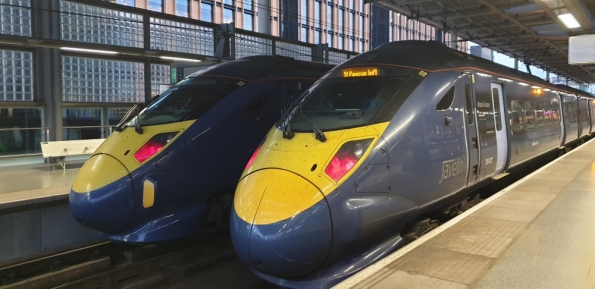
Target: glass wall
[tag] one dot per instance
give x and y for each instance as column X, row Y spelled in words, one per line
column 102, row 80
column 21, row 130
column 15, row 17
column 81, row 123
column 86, row 23
column 16, row 75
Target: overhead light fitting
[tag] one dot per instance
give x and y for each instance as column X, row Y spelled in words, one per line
column 88, row 50
column 180, row 59
column 569, row 20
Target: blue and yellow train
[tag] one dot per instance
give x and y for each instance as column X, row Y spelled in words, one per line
column 384, row 146
column 170, row 168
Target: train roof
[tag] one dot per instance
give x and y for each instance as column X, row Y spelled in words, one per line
column 433, row 56
column 252, row 68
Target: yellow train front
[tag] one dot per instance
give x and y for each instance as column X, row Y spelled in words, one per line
column 169, row 170
column 296, row 214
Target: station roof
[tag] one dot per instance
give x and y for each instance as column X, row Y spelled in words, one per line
column 529, row 30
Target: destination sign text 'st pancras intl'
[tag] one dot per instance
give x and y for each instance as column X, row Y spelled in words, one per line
column 360, row 72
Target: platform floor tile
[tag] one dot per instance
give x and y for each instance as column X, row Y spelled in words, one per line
column 542, row 186
column 391, row 279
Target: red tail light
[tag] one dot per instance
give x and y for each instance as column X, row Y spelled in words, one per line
column 346, row 158
column 154, row 145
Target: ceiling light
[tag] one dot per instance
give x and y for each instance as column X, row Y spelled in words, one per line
column 569, row 20
column 523, row 84
column 88, row 50
column 180, row 59
column 505, row 79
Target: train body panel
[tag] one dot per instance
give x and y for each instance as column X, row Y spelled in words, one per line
column 447, row 123
column 184, row 151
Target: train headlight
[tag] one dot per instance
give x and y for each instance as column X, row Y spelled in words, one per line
column 346, row 158
column 153, row 145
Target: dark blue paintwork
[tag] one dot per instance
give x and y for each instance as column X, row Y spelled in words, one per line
column 205, row 160
column 290, row 248
column 428, row 159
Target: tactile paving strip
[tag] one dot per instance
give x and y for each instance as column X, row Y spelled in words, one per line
column 16, row 199
column 443, row 264
column 389, row 279
column 513, row 203
column 494, row 227
column 476, row 244
column 507, row 214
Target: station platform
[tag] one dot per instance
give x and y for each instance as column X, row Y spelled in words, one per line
column 536, row 233
column 33, row 182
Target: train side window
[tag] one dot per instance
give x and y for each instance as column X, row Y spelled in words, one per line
column 539, row 118
column 496, row 97
column 555, row 111
column 529, row 115
column 517, row 121
column 547, row 113
column 469, row 105
column 446, row 100
column 584, row 112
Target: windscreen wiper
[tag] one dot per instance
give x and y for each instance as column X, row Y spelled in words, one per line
column 129, row 115
column 319, row 134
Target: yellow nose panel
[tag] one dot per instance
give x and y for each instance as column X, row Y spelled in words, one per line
column 271, row 195
column 98, row 171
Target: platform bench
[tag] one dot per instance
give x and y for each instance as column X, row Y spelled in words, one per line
column 62, row 149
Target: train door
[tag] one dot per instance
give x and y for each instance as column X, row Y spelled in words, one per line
column 502, row 142
column 465, row 90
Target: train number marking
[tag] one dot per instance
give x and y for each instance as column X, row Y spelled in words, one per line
column 451, row 168
column 489, row 160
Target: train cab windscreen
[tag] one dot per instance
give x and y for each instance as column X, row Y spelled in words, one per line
column 187, row 100
column 349, row 97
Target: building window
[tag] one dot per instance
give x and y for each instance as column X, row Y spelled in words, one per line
column 361, row 26
column 304, row 11
column 248, row 22
column 329, row 40
column 317, row 17
column 206, row 11
column 316, row 36
column 329, row 17
column 248, row 5
column 248, row 15
column 125, row 2
column 341, row 13
column 340, row 42
column 228, row 15
column 304, row 33
column 155, row 5
column 182, row 8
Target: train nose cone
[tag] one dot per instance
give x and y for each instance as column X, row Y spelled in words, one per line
column 102, row 195
column 281, row 224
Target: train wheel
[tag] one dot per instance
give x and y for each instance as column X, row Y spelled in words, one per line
column 419, row 229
